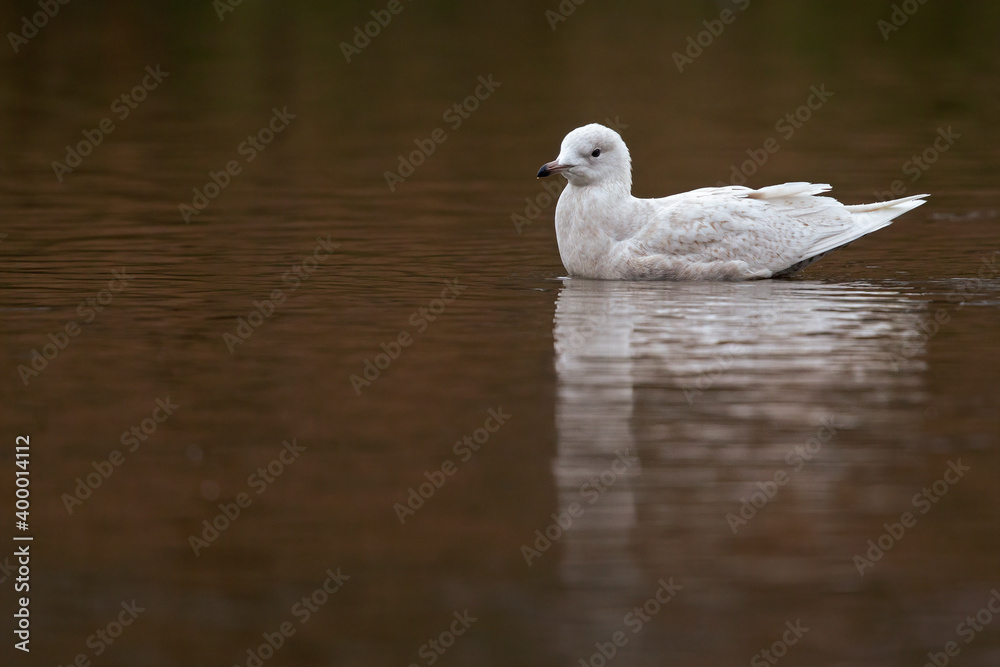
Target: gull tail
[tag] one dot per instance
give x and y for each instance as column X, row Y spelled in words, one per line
column 865, row 219
column 868, row 218
column 880, row 214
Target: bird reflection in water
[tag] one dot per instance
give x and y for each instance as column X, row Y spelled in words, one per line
column 676, row 403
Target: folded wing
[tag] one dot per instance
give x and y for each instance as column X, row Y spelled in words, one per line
column 777, row 229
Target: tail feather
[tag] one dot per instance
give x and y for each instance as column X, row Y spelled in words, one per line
column 865, row 219
column 877, row 206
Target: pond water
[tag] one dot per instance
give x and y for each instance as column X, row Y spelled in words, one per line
column 300, row 412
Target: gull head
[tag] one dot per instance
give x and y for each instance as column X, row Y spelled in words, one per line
column 592, row 155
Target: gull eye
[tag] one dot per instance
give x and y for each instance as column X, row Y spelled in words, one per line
column 597, row 151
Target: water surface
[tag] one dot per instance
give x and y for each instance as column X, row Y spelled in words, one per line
column 645, row 413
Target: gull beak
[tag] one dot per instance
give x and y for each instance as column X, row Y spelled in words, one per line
column 551, row 168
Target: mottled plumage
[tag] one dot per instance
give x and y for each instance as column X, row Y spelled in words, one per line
column 725, row 233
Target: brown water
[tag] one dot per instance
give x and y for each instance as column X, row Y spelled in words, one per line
column 636, row 418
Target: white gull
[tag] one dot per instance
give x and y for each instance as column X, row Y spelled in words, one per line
column 724, row 233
